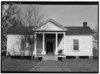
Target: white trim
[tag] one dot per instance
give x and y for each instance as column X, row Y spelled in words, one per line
column 35, row 52
column 50, row 32
column 56, row 43
column 43, row 51
column 64, row 44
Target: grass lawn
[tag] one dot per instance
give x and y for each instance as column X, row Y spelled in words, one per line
column 9, row 64
column 79, row 65
column 68, row 65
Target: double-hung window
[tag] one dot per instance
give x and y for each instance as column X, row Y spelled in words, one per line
column 76, row 44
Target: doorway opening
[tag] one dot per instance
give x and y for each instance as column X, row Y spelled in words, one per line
column 50, row 43
column 49, row 47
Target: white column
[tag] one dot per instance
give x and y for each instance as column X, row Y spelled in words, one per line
column 56, row 43
column 63, row 43
column 35, row 52
column 43, row 51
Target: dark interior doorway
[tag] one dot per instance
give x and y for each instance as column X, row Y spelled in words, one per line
column 49, row 47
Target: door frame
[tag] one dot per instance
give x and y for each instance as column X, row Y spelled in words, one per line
column 53, row 45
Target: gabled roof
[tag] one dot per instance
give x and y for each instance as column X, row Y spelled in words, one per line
column 79, row 30
column 20, row 30
column 69, row 30
column 52, row 21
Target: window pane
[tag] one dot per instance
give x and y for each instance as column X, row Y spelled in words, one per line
column 76, row 44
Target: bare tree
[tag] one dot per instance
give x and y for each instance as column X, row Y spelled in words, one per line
column 8, row 13
column 33, row 18
column 96, row 33
column 11, row 17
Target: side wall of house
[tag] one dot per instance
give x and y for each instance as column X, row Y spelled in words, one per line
column 13, row 44
column 85, row 45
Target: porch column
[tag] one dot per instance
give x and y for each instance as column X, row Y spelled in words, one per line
column 63, row 43
column 35, row 52
column 56, row 43
column 43, row 51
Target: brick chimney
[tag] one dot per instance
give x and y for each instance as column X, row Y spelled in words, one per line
column 84, row 24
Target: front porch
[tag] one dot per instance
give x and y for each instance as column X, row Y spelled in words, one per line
column 49, row 43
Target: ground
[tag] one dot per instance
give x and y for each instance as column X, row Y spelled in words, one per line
column 9, row 64
column 81, row 65
column 69, row 65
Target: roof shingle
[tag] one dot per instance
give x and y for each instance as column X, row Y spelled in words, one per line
column 79, row 30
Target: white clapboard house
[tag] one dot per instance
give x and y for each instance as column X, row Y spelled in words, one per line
column 52, row 38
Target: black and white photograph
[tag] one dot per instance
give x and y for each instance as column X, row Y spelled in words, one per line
column 49, row 37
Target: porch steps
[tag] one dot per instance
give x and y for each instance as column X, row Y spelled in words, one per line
column 50, row 57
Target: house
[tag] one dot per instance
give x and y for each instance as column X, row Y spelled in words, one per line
column 51, row 38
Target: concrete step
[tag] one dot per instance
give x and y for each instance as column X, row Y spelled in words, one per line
column 50, row 58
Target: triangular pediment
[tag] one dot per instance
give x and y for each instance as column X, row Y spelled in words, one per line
column 51, row 25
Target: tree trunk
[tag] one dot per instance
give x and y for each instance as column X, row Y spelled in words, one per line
column 31, row 53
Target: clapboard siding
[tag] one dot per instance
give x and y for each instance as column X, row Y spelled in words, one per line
column 85, row 45
column 14, row 44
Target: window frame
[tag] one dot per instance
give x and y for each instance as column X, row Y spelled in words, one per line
column 76, row 44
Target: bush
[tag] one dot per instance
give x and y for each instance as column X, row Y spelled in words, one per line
column 3, row 52
column 95, row 52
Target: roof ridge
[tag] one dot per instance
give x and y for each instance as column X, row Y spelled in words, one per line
column 73, row 26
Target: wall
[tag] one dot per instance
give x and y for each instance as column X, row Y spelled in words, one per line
column 85, row 45
column 60, row 43
column 14, row 44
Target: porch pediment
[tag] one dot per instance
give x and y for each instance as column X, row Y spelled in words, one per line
column 51, row 25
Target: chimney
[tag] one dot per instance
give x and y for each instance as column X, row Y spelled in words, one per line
column 84, row 24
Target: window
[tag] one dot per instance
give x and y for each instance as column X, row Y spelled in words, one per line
column 76, row 44
column 23, row 44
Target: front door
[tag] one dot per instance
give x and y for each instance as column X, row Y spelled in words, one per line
column 49, row 47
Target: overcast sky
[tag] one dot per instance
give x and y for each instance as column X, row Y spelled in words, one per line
column 70, row 15
column 73, row 15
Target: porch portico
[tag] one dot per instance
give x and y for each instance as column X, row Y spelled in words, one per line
column 48, row 42
column 49, row 38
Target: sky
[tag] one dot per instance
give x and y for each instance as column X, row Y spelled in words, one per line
column 69, row 15
column 73, row 15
